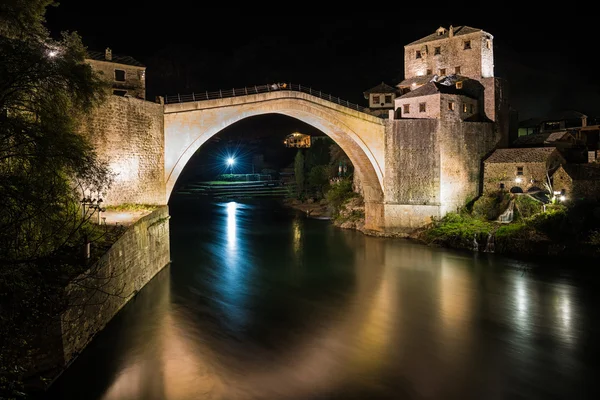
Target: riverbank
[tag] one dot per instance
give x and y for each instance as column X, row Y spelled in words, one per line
column 459, row 232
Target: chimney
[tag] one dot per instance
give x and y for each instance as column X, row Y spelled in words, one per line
column 108, row 54
column 451, row 31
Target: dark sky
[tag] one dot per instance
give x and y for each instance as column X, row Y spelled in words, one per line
column 188, row 47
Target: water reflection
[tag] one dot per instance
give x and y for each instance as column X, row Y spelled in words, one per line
column 263, row 304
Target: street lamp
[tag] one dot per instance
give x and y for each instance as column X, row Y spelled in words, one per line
column 230, row 162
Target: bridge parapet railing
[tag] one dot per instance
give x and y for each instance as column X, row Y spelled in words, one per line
column 222, row 94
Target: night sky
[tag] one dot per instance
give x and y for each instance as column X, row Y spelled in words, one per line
column 188, row 47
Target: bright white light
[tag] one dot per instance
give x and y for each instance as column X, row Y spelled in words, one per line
column 518, row 179
column 230, row 161
column 52, row 53
column 562, row 198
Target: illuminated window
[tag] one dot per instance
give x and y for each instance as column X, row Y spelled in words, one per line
column 488, row 43
column 388, row 98
column 406, row 108
column 519, row 170
column 457, row 70
column 437, row 50
column 451, row 105
column 467, row 44
column 442, row 71
column 119, row 75
column 418, row 54
column 429, row 72
column 375, row 98
column 421, row 107
column 465, row 108
column 459, row 85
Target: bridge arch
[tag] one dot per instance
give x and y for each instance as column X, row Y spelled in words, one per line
column 361, row 136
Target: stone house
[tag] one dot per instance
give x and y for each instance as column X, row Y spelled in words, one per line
column 449, row 98
column 126, row 75
column 577, row 181
column 381, row 98
column 520, row 169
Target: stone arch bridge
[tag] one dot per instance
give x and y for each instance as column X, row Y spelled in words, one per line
column 408, row 171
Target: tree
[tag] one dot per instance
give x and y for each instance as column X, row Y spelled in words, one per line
column 299, row 173
column 46, row 89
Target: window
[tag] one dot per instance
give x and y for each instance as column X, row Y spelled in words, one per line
column 451, row 105
column 467, row 44
column 375, row 98
column 388, row 98
column 120, row 92
column 429, row 72
column 457, row 70
column 459, row 85
column 437, row 50
column 465, row 107
column 471, row 108
column 442, row 71
column 407, row 109
column 119, row 75
column 502, row 186
column 488, row 43
column 519, row 170
column 421, row 107
column 418, row 54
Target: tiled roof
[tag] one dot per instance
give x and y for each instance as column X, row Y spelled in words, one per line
column 419, row 80
column 434, row 88
column 458, row 31
column 381, row 88
column 127, row 60
column 540, row 138
column 521, row 155
column 583, row 172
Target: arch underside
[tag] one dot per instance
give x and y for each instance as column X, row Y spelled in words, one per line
column 366, row 165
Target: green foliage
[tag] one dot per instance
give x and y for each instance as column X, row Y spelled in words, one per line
column 526, row 206
column 299, row 173
column 318, row 180
column 490, row 206
column 458, row 230
column 338, row 194
column 513, row 230
column 46, row 167
column 553, row 222
column 132, row 207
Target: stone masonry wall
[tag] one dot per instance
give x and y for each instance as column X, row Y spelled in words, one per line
column 98, row 295
column 463, row 146
column 412, row 162
column 129, row 133
column 432, row 106
column 135, row 79
column 534, row 175
column 452, row 55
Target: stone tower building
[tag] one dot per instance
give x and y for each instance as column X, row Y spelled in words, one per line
column 457, row 66
column 126, row 75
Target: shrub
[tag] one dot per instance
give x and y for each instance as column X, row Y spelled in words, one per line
column 459, row 230
column 526, row 206
column 338, row 194
column 490, row 206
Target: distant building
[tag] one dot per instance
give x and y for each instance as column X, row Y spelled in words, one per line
column 520, row 169
column 126, row 75
column 298, row 140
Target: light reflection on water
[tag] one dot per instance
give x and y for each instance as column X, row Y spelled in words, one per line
column 263, row 304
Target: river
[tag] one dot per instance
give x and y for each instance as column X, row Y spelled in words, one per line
column 260, row 302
